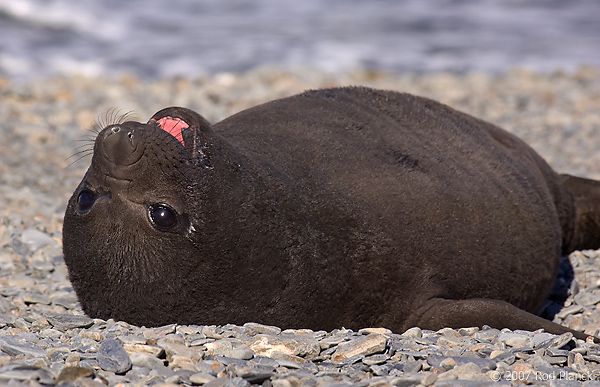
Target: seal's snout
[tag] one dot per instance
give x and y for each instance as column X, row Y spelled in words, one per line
column 119, row 145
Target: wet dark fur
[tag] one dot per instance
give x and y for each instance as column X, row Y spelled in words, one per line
column 342, row 207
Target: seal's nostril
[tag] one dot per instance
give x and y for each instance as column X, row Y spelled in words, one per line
column 115, row 129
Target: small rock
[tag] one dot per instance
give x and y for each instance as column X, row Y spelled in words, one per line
column 375, row 359
column 279, row 356
column 483, row 364
column 36, row 239
column 141, row 359
column 201, row 378
column 380, row 369
column 444, row 341
column 260, row 328
column 468, row 331
column 64, row 322
column 72, row 360
column 330, row 341
column 281, row 383
column 448, row 363
column 379, row 331
column 557, row 352
column 183, row 362
column 36, row 298
column 212, row 332
column 153, row 350
column 576, row 308
column 156, row 333
column 112, row 357
column 26, row 373
column 255, row 374
column 173, row 349
column 412, row 366
column 448, row 332
column 218, row 382
column 237, row 382
column 555, row 360
column 70, row 374
column 489, row 334
column 468, row 371
column 561, row 341
column 364, row 346
column 299, row 345
column 515, row 340
column 413, row 332
column 413, row 379
column 14, row 348
column 222, row 346
column 584, row 298
column 242, row 352
column 93, row 335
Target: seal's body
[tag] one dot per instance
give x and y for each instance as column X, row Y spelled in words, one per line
column 341, row 207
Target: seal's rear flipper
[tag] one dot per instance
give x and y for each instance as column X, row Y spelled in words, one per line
column 189, row 128
column 586, row 223
column 438, row 313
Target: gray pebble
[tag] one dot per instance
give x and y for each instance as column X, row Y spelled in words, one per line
column 515, row 340
column 219, row 382
column 412, row 366
column 260, row 328
column 483, row 364
column 585, row 298
column 489, row 334
column 36, row 298
column 375, row 359
column 112, row 357
column 201, row 378
column 36, row 239
column 561, row 341
column 141, row 359
column 361, row 346
column 15, row 348
column 254, row 374
column 569, row 311
column 64, row 322
column 24, row 372
column 556, row 359
column 237, row 382
column 242, row 352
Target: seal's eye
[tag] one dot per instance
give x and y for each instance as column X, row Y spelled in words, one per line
column 85, row 201
column 162, row 216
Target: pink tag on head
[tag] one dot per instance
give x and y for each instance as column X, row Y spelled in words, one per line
column 173, row 126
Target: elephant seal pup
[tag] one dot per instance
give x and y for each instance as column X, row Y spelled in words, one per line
column 340, row 207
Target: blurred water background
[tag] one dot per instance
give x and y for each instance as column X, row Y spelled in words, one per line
column 155, row 38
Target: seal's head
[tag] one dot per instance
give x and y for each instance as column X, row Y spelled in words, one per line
column 135, row 209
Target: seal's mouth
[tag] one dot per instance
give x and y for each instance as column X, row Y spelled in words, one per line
column 173, row 126
column 187, row 127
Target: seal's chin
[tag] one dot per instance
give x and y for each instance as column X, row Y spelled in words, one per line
column 173, row 126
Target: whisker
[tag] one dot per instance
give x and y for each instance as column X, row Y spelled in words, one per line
column 76, row 160
column 113, row 116
column 84, row 147
column 83, row 152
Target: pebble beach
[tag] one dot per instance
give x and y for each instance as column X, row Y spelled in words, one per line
column 46, row 133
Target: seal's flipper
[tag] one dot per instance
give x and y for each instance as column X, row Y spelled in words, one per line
column 189, row 128
column 439, row 313
column 586, row 222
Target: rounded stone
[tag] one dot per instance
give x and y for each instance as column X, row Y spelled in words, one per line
column 112, row 357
